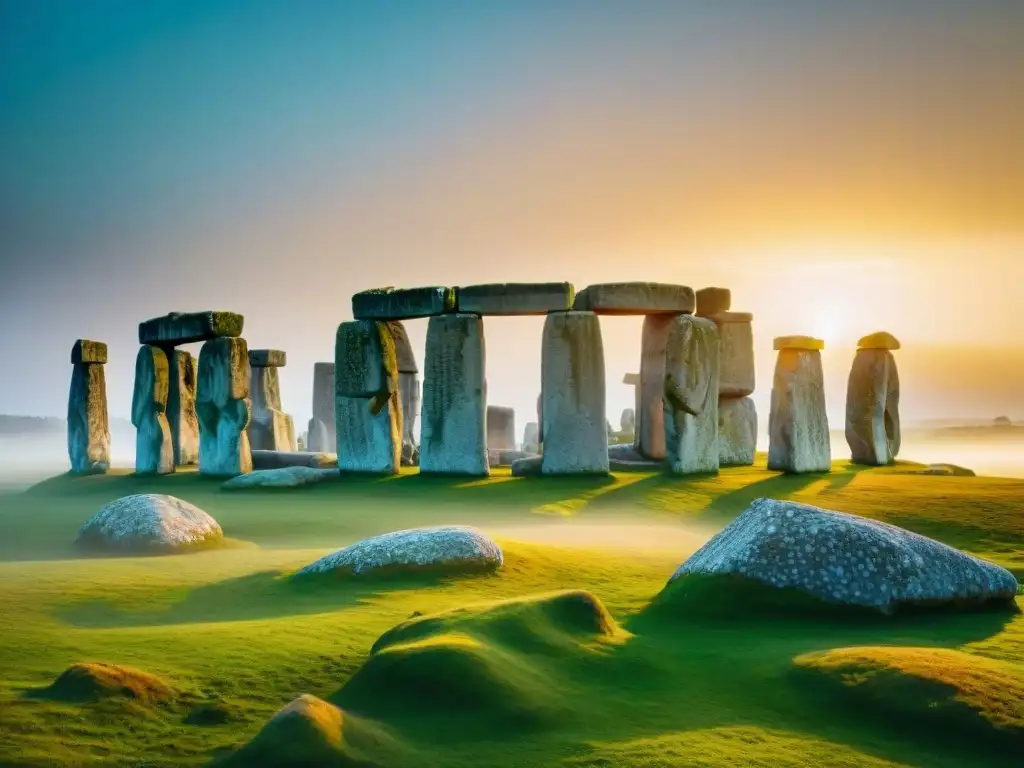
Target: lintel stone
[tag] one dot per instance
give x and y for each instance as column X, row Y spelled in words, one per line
column 185, row 328
column 712, row 301
column 636, row 299
column 86, row 351
column 402, row 303
column 516, row 298
column 798, row 342
column 267, row 358
column 879, row 340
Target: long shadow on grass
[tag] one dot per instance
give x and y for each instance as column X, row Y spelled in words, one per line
column 263, row 595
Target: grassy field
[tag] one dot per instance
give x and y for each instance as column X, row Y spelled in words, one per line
column 520, row 674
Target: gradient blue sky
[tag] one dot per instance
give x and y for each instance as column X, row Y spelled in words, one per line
column 841, row 169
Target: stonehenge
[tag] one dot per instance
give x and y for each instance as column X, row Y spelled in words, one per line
column 270, row 428
column 154, row 452
column 322, row 430
column 223, row 407
column 873, row 402
column 691, row 395
column 88, row 423
column 501, row 428
column 798, row 423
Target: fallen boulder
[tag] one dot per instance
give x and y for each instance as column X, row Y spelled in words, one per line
column 283, row 477
column 150, row 523
column 847, row 560
column 281, row 459
column 447, row 549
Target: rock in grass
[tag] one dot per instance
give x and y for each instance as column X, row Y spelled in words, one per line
column 93, row 681
column 312, row 732
column 285, row 477
column 448, row 549
column 150, row 522
column 847, row 560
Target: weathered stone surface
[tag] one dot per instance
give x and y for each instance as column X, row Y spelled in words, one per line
column 405, row 357
column 737, row 431
column 402, row 303
column 86, row 351
column 627, row 421
column 506, row 458
column 736, row 339
column 636, row 299
column 501, row 428
column 185, row 328
column 322, row 430
column 267, row 358
column 369, row 434
column 281, row 459
column 154, row 451
column 798, row 439
column 318, row 439
column 691, row 395
column 540, row 419
column 573, row 391
column 516, row 298
column 223, row 408
column 847, row 560
column 453, row 434
column 625, row 458
column 711, row 301
column 150, row 522
column 88, row 423
column 531, row 437
column 183, row 375
column 873, row 408
column 410, row 455
column 450, row 548
column 409, row 396
column 529, row 466
column 282, row 477
column 270, row 428
column 365, row 364
column 798, row 342
column 650, row 422
column 879, row 340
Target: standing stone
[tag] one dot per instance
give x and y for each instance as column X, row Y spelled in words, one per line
column 223, row 408
column 88, row 424
column 501, row 428
column 691, row 396
column 531, row 442
column 711, row 301
column 540, row 419
column 627, row 421
column 573, row 391
column 181, row 406
column 798, row 424
column 367, row 410
column 737, row 431
column 650, row 433
column 454, row 435
column 408, row 390
column 736, row 336
column 270, row 429
column 873, row 402
column 154, row 452
column 322, row 428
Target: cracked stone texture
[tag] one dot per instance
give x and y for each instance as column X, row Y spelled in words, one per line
column 873, row 408
column 574, row 425
column 88, row 427
column 322, row 429
column 154, row 451
column 515, row 298
column 270, row 428
column 636, row 299
column 402, row 303
column 736, row 335
column 649, row 429
column 223, row 408
column 87, row 351
column 183, row 375
column 188, row 327
column 848, row 560
column 453, row 436
column 452, row 548
column 691, row 396
column 150, row 522
column 282, row 477
column 501, row 428
column 737, row 431
column 798, row 438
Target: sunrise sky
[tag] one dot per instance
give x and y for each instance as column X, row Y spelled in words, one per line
column 842, row 170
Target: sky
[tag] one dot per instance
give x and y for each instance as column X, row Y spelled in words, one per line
column 842, row 169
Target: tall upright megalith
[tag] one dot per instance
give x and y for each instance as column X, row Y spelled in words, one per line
column 183, row 375
column 154, row 452
column 88, row 423
column 322, row 428
column 649, row 427
column 873, row 402
column 573, row 391
column 691, row 396
column 223, row 407
column 408, row 390
column 368, row 414
column 270, row 428
column 501, row 428
column 737, row 415
column 798, row 437
column 453, row 435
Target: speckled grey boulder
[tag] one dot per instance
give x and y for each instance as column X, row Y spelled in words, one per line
column 284, row 477
column 845, row 559
column 150, row 522
column 452, row 548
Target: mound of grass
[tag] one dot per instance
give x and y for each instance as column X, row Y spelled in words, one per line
column 311, row 732
column 94, row 681
column 930, row 689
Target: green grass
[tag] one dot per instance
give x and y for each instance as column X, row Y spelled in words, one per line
column 557, row 659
